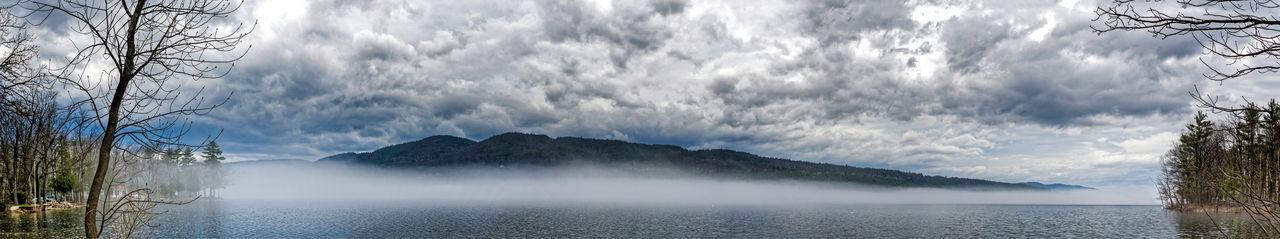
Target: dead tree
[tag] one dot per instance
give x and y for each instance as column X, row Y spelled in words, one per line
column 153, row 48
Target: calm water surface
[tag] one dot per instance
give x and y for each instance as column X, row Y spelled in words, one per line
column 259, row 219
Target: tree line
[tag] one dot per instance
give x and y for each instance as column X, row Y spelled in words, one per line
column 104, row 124
column 47, row 149
column 1233, row 163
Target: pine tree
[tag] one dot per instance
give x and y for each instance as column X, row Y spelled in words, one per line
column 64, row 181
column 188, row 157
column 172, row 156
column 1194, row 158
column 213, row 153
column 213, row 167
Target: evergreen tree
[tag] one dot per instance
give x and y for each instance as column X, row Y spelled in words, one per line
column 1235, row 162
column 1271, row 128
column 64, row 181
column 213, row 153
column 213, row 178
column 188, row 157
column 172, row 156
column 1193, row 159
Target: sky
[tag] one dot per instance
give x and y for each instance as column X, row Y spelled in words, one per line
column 1000, row 90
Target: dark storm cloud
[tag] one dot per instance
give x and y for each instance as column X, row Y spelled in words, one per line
column 669, row 7
column 1048, row 83
column 856, row 82
column 370, row 46
column 969, row 39
column 838, row 21
column 996, row 73
column 833, row 82
column 632, row 30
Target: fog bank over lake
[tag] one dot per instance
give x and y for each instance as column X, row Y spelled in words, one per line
column 302, row 182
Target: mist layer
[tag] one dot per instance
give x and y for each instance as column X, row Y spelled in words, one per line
column 309, row 182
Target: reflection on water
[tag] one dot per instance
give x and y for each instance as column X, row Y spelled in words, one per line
column 1217, row 225
column 419, row 219
column 52, row 224
column 260, row 219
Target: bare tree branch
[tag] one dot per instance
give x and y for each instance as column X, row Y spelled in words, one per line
column 154, row 47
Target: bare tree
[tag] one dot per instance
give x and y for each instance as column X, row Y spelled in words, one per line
column 15, row 63
column 1246, row 33
column 150, row 48
column 1242, row 31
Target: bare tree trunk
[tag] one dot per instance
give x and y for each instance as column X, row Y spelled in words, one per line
column 113, row 119
column 104, row 161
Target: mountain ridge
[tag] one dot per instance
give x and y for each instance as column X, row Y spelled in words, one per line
column 534, row 150
column 1057, row 186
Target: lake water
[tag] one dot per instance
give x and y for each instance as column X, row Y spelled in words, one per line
column 277, row 219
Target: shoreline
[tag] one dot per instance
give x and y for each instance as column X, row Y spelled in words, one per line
column 47, row 207
column 1210, row 209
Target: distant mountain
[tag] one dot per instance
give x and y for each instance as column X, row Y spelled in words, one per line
column 1057, row 186
column 518, row 150
column 411, row 153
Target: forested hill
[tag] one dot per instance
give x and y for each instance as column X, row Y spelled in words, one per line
column 1057, row 186
column 526, row 150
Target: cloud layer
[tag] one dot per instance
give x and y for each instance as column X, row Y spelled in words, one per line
column 1001, row 90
